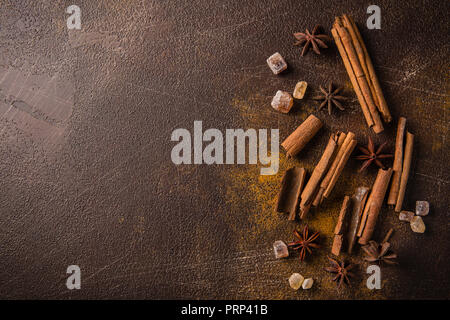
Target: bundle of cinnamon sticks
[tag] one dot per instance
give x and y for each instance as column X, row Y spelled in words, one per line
column 294, row 194
column 365, row 209
column 328, row 170
column 361, row 72
column 345, row 145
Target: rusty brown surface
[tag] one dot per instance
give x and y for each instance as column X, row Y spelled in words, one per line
column 86, row 175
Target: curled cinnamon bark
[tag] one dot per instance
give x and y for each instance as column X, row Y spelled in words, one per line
column 398, row 155
column 318, row 198
column 343, row 140
column 398, row 162
column 301, row 136
column 388, row 235
column 341, row 227
column 405, row 171
column 342, row 161
column 346, row 145
column 311, row 188
column 373, row 205
column 291, row 187
column 358, row 200
column 361, row 72
column 352, row 76
column 369, row 70
column 361, row 78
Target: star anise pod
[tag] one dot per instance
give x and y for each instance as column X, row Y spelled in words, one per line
column 341, row 270
column 379, row 252
column 330, row 98
column 311, row 39
column 304, row 242
column 370, row 155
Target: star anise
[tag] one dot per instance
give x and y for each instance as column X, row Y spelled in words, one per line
column 370, row 155
column 304, row 242
column 330, row 97
column 379, row 252
column 341, row 270
column 311, row 39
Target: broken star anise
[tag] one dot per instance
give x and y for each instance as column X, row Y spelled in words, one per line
column 311, row 39
column 341, row 270
column 330, row 97
column 379, row 252
column 304, row 242
column 370, row 155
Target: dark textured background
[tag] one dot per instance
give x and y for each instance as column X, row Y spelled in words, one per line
column 85, row 125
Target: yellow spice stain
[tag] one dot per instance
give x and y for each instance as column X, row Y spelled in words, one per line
column 436, row 146
column 251, row 194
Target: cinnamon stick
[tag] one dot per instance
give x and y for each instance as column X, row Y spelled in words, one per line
column 398, row 162
column 360, row 52
column 405, row 171
column 291, row 186
column 374, row 204
column 318, row 198
column 367, row 206
column 359, row 73
column 345, row 148
column 398, row 155
column 340, row 149
column 352, row 76
column 388, row 235
column 338, row 242
column 304, row 209
column 373, row 79
column 358, row 201
column 311, row 188
column 342, row 220
column 341, row 227
column 301, row 136
column 395, row 187
column 363, row 219
column 340, row 167
column 343, row 141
